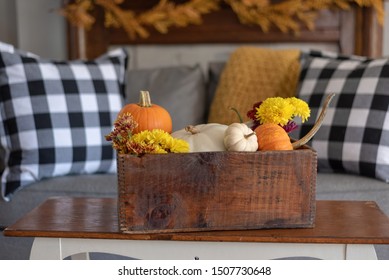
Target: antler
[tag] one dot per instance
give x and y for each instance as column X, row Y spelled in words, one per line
column 316, row 126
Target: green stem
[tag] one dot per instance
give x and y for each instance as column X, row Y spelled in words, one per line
column 249, row 135
column 237, row 112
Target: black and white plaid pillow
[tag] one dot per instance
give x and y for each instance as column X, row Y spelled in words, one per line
column 354, row 137
column 54, row 115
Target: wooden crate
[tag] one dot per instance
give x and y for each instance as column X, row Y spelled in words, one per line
column 217, row 191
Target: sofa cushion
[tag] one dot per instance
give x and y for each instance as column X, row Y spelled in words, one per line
column 250, row 75
column 181, row 90
column 354, row 137
column 55, row 114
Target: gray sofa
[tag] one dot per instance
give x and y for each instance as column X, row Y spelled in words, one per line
column 176, row 81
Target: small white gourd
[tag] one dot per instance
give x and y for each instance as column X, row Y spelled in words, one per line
column 239, row 137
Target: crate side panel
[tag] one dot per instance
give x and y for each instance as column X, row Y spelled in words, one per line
column 210, row 191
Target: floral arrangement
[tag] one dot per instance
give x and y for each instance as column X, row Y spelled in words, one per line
column 281, row 111
column 285, row 15
column 154, row 141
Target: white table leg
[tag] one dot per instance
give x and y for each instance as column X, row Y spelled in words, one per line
column 51, row 249
column 46, row 249
column 57, row 248
column 360, row 252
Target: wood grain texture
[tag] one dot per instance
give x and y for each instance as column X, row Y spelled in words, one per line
column 217, row 191
column 337, row 222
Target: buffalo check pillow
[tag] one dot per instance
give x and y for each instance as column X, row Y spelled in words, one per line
column 354, row 137
column 54, row 115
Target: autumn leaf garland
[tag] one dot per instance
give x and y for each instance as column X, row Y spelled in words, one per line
column 285, row 15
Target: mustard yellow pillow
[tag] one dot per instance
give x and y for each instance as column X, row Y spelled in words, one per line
column 253, row 74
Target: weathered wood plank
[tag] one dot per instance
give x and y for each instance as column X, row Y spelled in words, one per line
column 217, row 191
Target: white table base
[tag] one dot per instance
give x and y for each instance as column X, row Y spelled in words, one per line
column 59, row 248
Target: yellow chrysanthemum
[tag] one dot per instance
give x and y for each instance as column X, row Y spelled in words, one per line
column 275, row 110
column 280, row 110
column 179, row 146
column 301, row 108
column 154, row 139
column 158, row 150
column 158, row 141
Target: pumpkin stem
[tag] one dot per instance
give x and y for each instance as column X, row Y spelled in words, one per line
column 249, row 135
column 316, row 126
column 237, row 112
column 191, row 129
column 144, row 99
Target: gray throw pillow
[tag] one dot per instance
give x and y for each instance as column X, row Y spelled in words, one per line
column 181, row 90
column 215, row 70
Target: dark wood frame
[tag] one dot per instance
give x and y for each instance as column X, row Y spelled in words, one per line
column 355, row 31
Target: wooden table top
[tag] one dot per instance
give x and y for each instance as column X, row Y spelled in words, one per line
column 347, row 222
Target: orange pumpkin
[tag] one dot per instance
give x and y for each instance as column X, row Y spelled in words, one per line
column 272, row 137
column 148, row 116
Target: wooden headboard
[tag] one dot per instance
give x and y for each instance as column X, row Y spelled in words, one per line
column 354, row 31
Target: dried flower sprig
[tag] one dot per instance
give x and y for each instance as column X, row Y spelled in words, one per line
column 279, row 111
column 122, row 132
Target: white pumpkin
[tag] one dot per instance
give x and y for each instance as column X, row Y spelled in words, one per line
column 203, row 137
column 240, row 138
